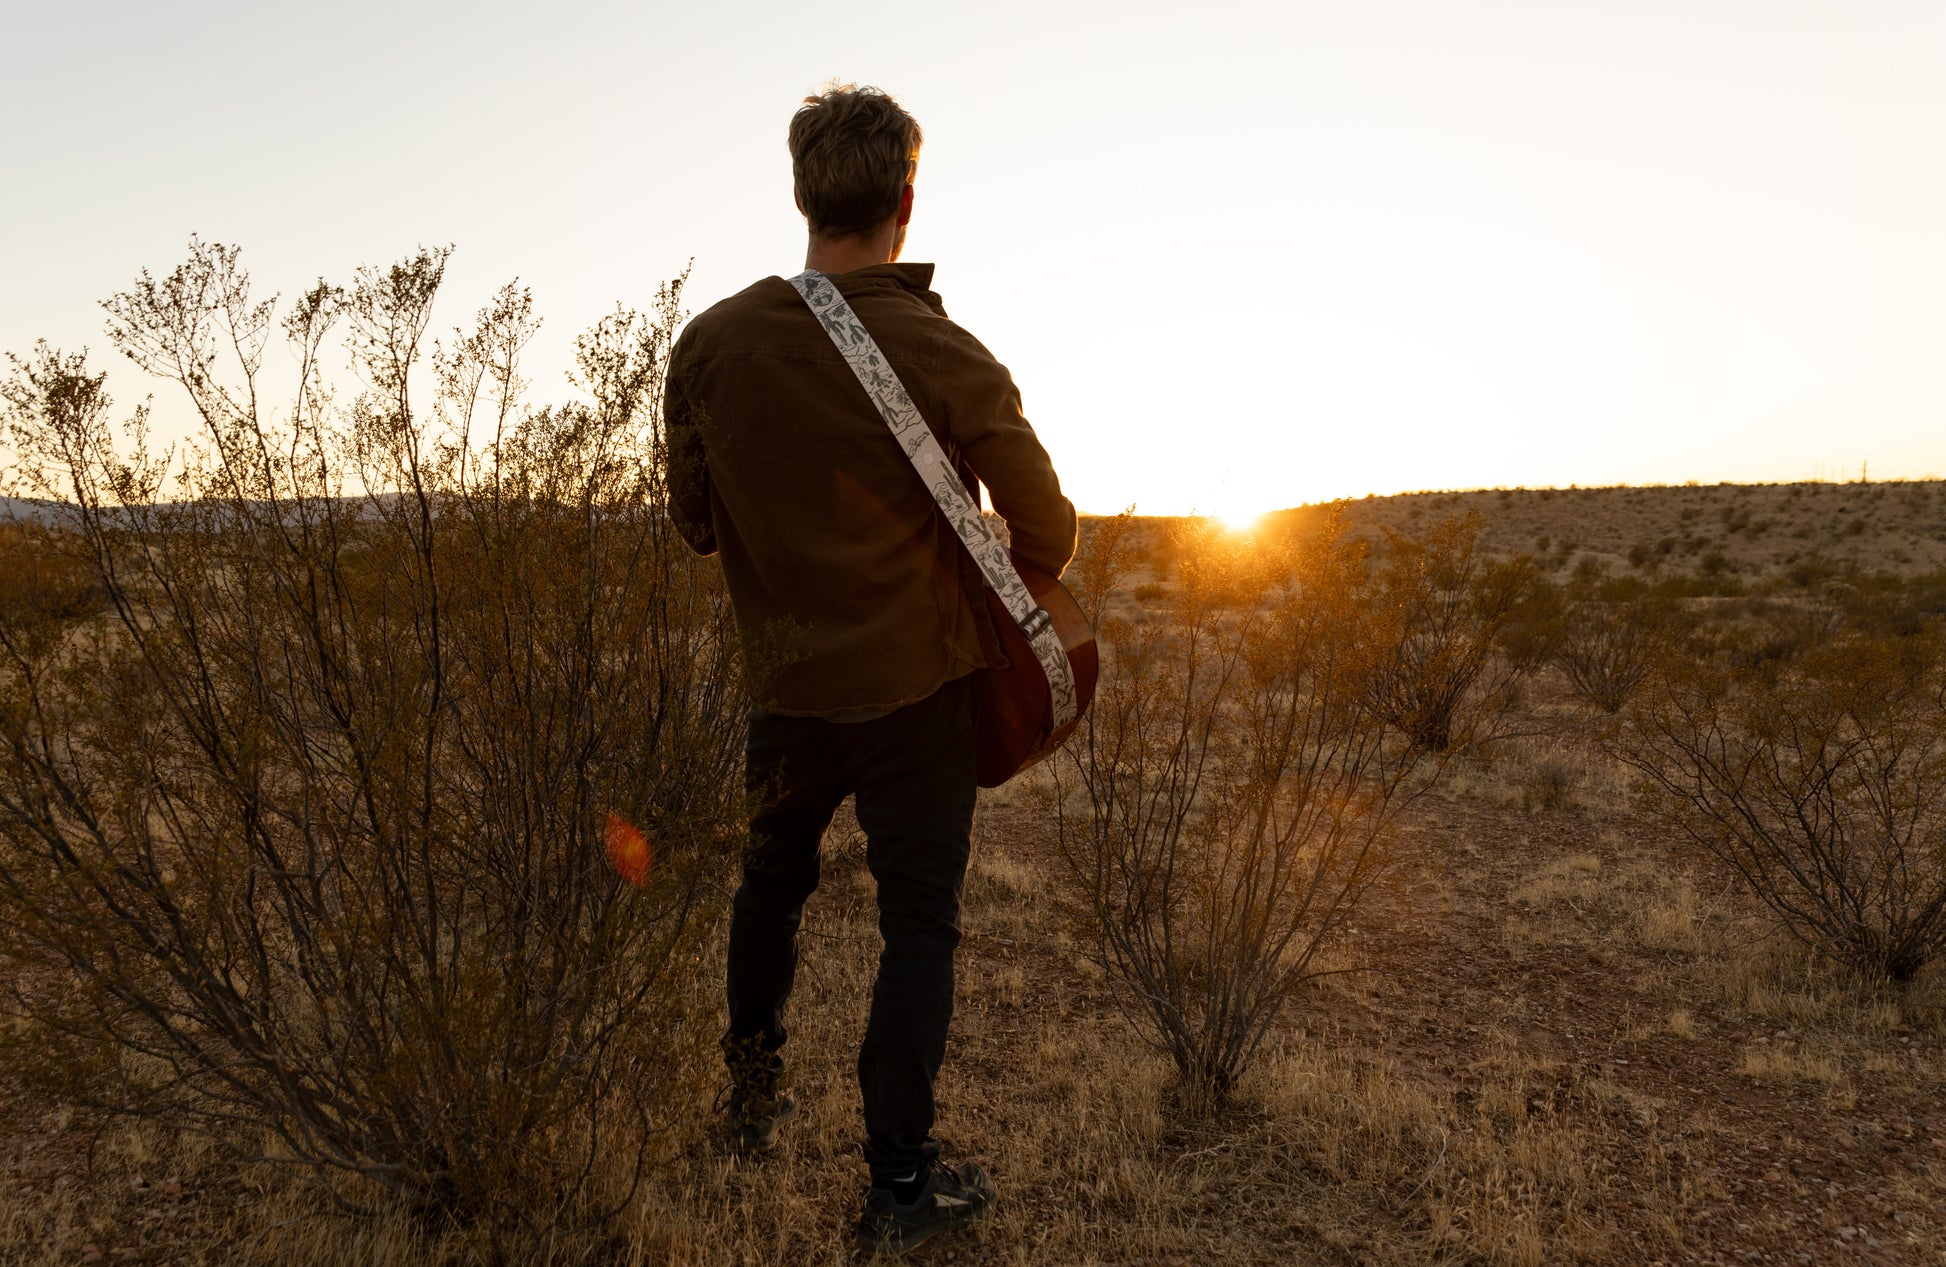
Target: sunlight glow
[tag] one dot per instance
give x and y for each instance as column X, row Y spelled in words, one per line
column 1238, row 519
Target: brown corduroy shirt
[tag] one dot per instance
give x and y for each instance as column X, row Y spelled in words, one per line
column 852, row 592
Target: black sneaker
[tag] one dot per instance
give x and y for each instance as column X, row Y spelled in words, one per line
column 751, row 1121
column 952, row 1196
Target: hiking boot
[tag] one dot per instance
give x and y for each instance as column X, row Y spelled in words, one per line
column 952, row 1196
column 757, row 1108
column 751, row 1121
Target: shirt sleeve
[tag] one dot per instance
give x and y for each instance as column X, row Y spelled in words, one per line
column 981, row 407
column 688, row 466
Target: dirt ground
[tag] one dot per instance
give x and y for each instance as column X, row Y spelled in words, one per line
column 1649, row 1075
column 1748, row 1107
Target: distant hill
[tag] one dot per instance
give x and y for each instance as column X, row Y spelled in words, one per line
column 23, row 509
column 1796, row 533
column 1749, row 530
column 1753, row 531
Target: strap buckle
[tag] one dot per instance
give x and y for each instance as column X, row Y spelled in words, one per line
column 1037, row 622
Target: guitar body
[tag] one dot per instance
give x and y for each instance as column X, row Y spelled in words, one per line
column 1013, row 727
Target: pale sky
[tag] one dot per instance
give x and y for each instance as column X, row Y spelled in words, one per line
column 1238, row 256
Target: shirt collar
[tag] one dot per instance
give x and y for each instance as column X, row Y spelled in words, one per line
column 916, row 278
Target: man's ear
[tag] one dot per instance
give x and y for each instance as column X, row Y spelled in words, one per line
column 798, row 198
column 905, row 207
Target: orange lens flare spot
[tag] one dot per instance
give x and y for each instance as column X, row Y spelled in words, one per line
column 628, row 850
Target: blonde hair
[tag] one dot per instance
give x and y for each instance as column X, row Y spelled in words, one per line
column 853, row 151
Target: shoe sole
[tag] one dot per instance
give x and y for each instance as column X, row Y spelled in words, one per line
column 906, row 1245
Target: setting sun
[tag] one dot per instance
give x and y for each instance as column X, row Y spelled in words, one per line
column 1238, row 518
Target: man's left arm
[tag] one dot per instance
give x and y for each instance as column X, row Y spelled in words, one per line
column 983, row 416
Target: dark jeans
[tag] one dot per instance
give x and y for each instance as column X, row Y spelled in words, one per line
column 913, row 774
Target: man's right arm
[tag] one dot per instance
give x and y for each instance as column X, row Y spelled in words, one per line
column 688, row 468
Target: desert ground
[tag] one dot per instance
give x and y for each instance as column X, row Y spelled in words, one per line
column 1554, row 1034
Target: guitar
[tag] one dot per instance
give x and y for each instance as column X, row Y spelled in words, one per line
column 1012, row 725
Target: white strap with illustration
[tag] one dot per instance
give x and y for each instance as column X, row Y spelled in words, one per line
column 895, row 405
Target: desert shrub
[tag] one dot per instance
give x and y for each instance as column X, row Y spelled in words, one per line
column 1442, row 602
column 1889, row 603
column 1549, row 783
column 1698, row 585
column 1814, row 571
column 1773, row 633
column 1608, row 642
column 1821, row 779
column 1227, row 801
column 45, row 576
column 301, row 846
column 1527, row 637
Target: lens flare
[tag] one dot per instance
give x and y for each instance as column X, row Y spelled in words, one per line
column 628, row 850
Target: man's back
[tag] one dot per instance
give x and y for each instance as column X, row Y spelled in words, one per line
column 838, row 561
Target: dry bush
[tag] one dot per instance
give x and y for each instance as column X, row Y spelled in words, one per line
column 1821, row 780
column 1887, row 603
column 1443, row 603
column 1754, row 633
column 1226, row 803
column 45, row 576
column 1549, row 783
column 301, row 845
column 1608, row 642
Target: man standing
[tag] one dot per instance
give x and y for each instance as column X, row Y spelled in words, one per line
column 861, row 617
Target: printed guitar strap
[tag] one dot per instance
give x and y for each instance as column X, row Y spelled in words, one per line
column 921, row 447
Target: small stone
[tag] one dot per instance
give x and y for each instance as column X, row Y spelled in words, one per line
column 1847, row 1233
